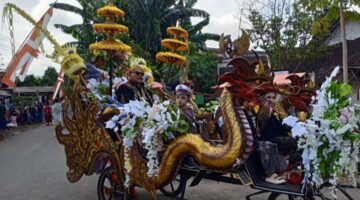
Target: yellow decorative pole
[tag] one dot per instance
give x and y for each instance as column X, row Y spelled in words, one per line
column 110, row 29
column 177, row 43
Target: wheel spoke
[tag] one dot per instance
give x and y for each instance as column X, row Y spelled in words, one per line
column 172, row 187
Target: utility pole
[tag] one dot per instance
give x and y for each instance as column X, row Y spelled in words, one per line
column 344, row 42
column 1, row 63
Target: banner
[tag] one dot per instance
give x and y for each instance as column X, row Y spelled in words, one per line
column 26, row 53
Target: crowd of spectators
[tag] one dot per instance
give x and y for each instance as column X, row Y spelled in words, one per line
column 12, row 116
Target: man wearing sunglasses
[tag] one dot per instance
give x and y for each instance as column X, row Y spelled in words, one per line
column 135, row 88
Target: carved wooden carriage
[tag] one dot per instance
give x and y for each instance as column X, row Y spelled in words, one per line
column 88, row 141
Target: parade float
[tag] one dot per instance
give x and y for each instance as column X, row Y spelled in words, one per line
column 329, row 137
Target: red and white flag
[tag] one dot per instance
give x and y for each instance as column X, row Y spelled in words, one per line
column 57, row 88
column 26, row 53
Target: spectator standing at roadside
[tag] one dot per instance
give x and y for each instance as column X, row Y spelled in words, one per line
column 2, row 116
column 48, row 114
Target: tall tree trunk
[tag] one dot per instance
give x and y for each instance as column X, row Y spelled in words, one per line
column 344, row 42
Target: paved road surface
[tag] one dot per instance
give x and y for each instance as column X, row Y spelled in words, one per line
column 32, row 167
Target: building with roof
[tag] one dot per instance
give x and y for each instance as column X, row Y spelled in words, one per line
column 333, row 58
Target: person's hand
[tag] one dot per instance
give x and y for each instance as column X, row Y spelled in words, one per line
column 117, row 85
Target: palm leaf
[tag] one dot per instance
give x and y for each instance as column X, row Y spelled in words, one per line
column 205, row 36
column 174, row 14
column 67, row 7
column 190, row 3
column 199, row 26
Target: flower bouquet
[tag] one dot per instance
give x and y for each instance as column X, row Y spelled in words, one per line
column 330, row 139
column 153, row 125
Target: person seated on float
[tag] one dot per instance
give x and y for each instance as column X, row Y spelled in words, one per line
column 183, row 95
column 93, row 69
column 273, row 142
column 135, row 88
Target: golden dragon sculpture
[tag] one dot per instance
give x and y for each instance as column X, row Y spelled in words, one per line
column 88, row 140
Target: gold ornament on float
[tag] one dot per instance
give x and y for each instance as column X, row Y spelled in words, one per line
column 111, row 45
column 171, row 58
column 178, row 32
column 110, row 11
column 174, row 44
column 110, row 28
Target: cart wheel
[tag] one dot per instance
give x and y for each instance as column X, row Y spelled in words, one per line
column 108, row 187
column 174, row 188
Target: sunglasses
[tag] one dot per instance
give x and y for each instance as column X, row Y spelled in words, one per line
column 139, row 73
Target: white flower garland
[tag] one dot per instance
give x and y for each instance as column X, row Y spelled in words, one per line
column 152, row 123
column 339, row 155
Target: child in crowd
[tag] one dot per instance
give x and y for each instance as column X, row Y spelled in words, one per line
column 13, row 122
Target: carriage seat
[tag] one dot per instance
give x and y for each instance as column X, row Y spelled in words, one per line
column 255, row 170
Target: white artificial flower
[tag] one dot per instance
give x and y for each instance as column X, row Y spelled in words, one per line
column 162, row 128
column 148, row 134
column 298, row 129
column 128, row 142
column 290, row 121
column 115, row 118
column 128, row 122
column 344, row 129
column 92, row 83
column 110, row 124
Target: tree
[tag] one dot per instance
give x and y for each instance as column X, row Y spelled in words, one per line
column 82, row 32
column 330, row 11
column 50, row 77
column 202, row 73
column 147, row 22
column 203, row 66
column 283, row 30
column 196, row 36
column 29, row 81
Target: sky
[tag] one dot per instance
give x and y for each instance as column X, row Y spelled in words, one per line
column 223, row 19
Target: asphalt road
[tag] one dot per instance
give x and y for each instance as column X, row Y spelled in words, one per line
column 32, row 167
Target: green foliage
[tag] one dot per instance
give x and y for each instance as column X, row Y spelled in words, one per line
column 50, row 77
column 29, row 81
column 322, row 163
column 82, row 32
column 203, row 67
column 147, row 22
column 286, row 37
column 210, row 107
column 24, row 100
column 327, row 11
column 103, row 89
column 202, row 72
column 340, row 92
